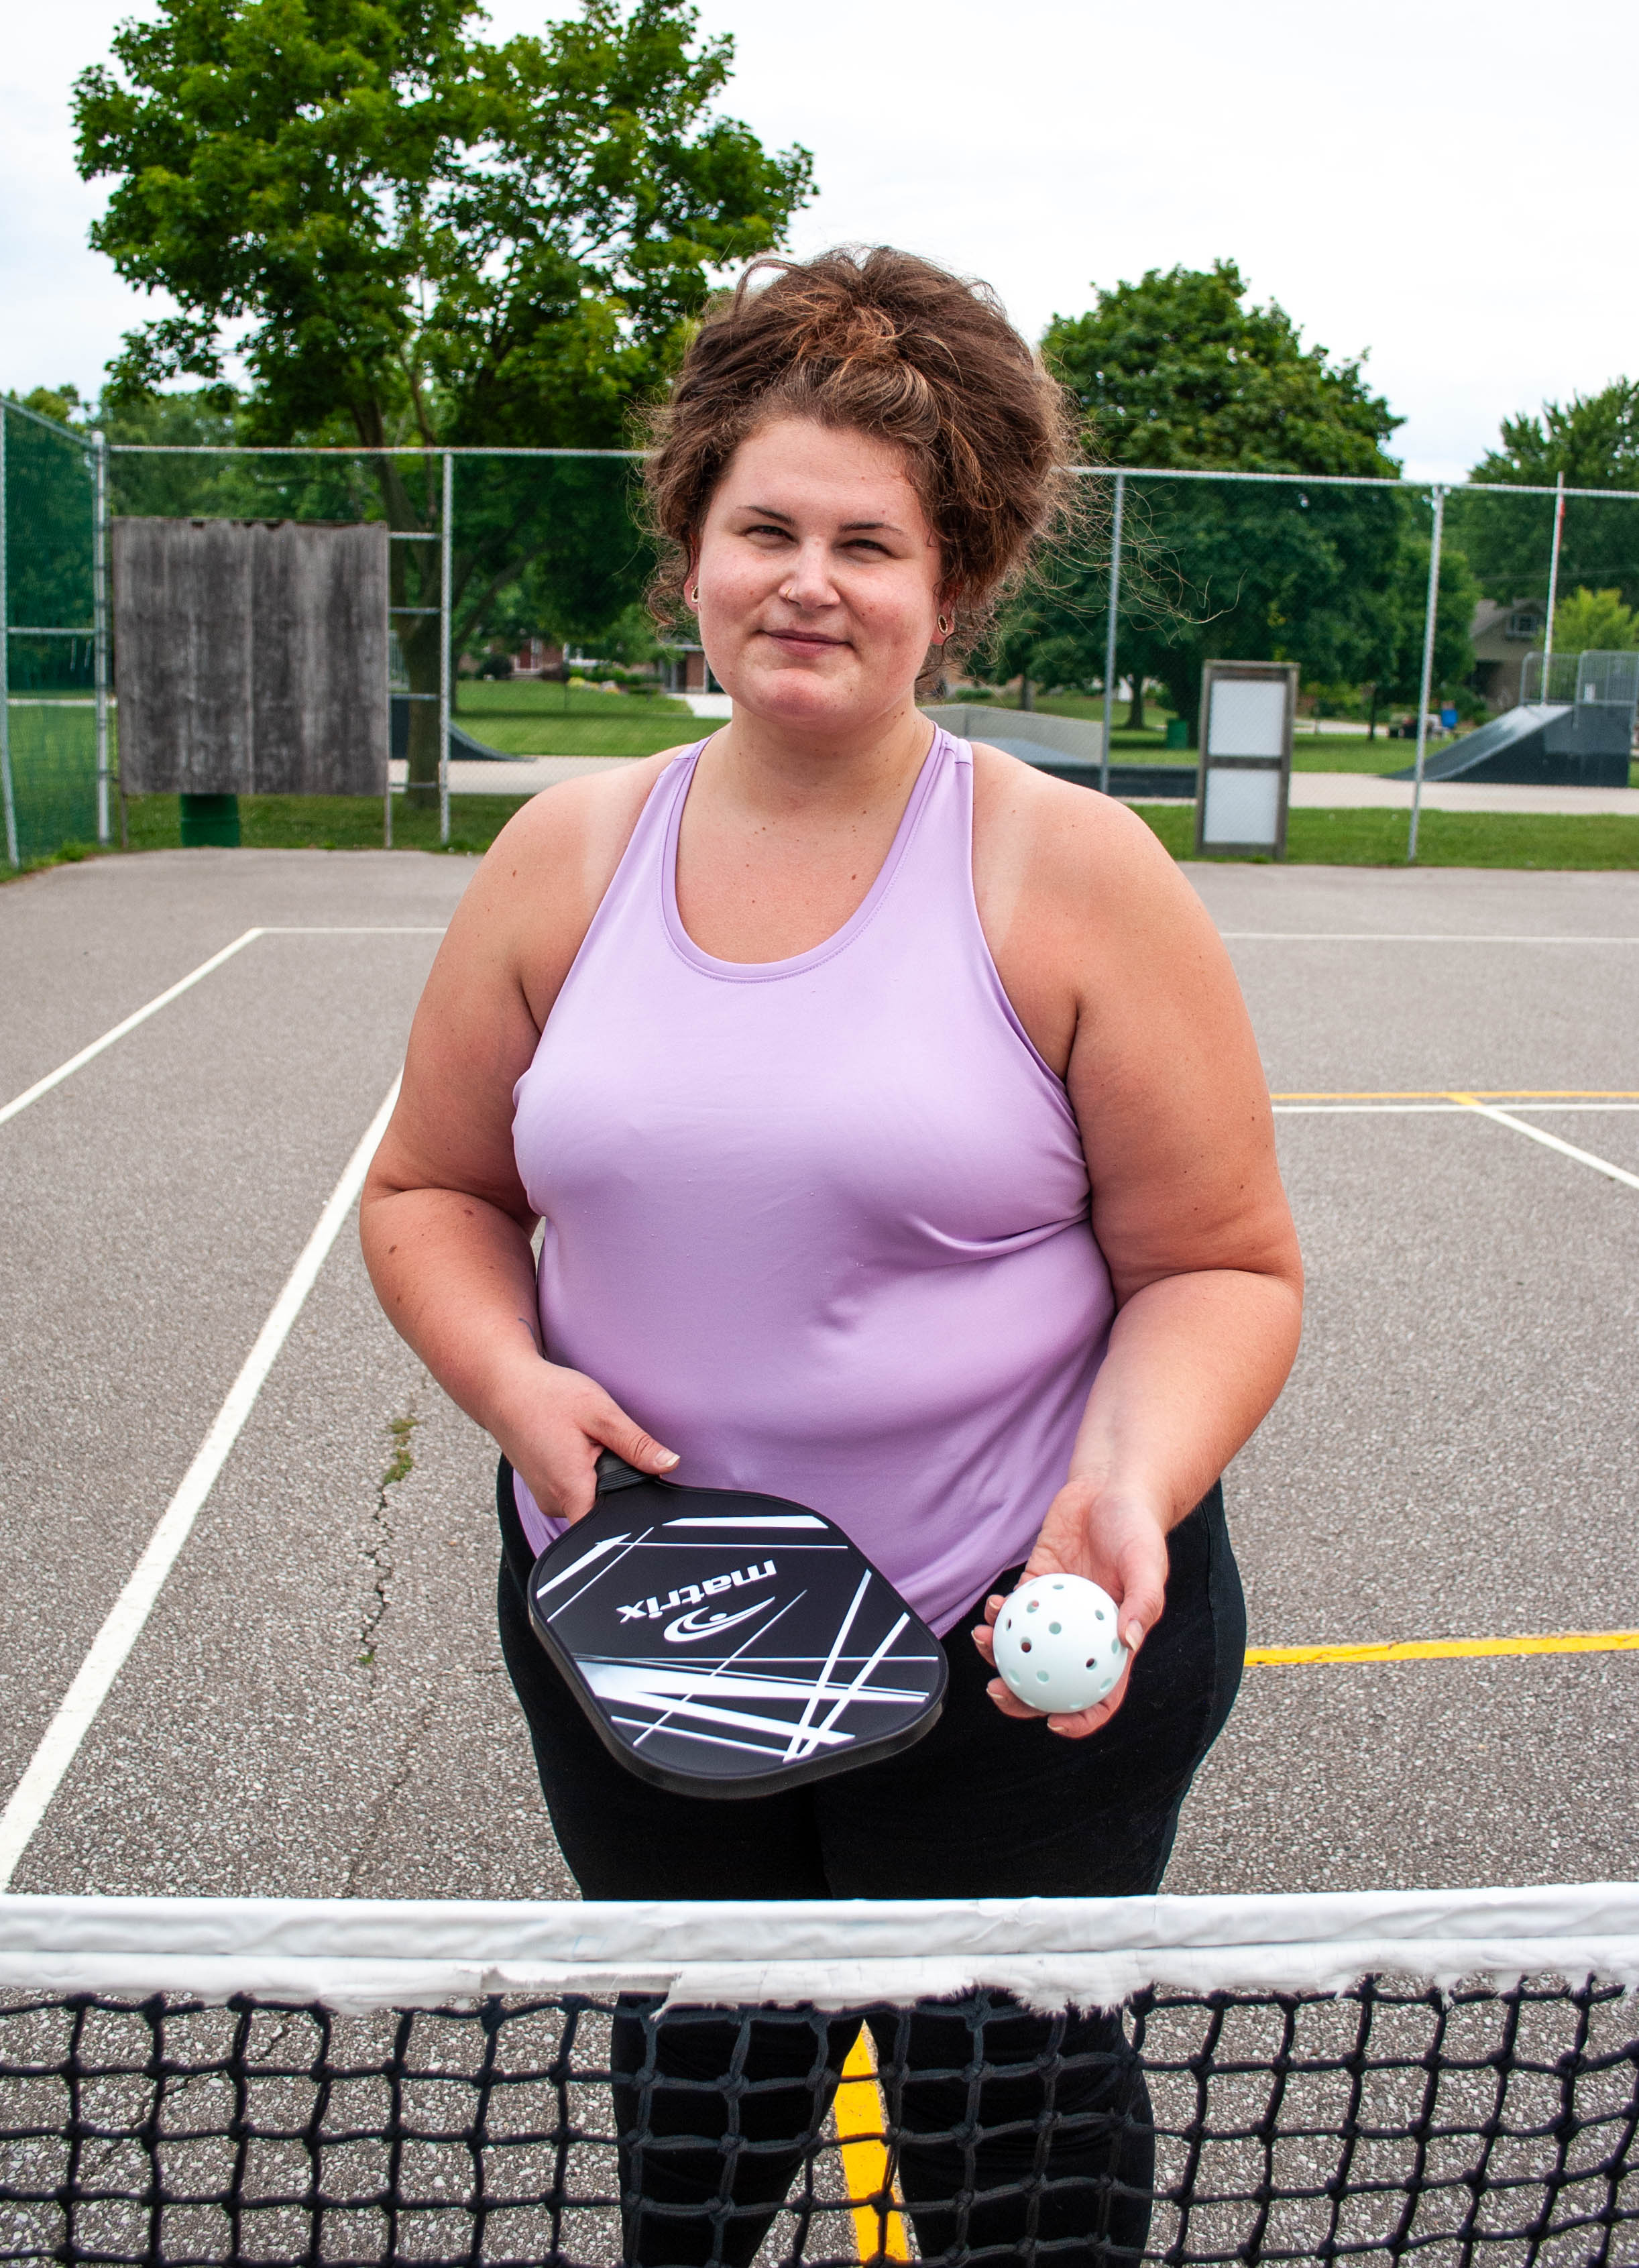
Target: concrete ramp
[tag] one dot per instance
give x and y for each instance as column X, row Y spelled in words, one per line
column 1518, row 734
column 463, row 747
column 1540, row 744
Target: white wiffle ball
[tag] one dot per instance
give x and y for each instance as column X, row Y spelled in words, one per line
column 1056, row 1643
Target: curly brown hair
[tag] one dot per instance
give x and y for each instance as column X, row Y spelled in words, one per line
column 895, row 346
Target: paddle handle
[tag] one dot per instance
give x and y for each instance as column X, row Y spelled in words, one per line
column 614, row 1473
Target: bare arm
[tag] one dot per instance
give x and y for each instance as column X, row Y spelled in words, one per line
column 444, row 1221
column 1147, row 1020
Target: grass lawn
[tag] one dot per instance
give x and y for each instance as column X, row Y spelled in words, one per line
column 527, row 718
column 333, row 823
column 1444, row 838
column 1321, row 838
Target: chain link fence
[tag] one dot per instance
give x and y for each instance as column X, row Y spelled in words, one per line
column 55, row 716
column 1394, row 599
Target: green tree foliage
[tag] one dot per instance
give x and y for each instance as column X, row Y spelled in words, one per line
column 1595, row 621
column 1392, row 652
column 49, row 500
column 1179, row 370
column 1593, row 440
column 412, row 236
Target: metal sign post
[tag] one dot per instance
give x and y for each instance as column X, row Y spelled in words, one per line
column 1112, row 617
column 99, row 626
column 1558, row 531
column 1430, row 616
column 444, row 646
column 1246, row 710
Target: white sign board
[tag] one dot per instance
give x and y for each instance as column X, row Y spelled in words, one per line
column 1245, row 757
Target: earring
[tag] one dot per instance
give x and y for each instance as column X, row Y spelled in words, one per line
column 944, row 624
column 690, row 597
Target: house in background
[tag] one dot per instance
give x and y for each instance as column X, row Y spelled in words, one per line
column 685, row 669
column 1502, row 637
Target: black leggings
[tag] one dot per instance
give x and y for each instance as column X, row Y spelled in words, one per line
column 1051, row 2139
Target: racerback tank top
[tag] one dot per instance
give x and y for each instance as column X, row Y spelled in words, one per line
column 821, row 1224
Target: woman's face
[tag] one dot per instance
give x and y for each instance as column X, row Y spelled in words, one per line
column 818, row 577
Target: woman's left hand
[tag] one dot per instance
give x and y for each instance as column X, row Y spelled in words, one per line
column 1114, row 1540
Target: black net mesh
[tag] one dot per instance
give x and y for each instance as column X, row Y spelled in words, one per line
column 1383, row 2123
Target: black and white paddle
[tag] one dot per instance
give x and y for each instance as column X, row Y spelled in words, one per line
column 725, row 1644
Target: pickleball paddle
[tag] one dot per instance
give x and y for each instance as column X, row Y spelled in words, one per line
column 725, row 1643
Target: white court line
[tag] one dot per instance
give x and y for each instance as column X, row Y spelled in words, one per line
column 183, row 983
column 1402, row 1109
column 76, row 1063
column 112, row 1643
column 1401, row 937
column 1484, row 1110
column 1553, row 1142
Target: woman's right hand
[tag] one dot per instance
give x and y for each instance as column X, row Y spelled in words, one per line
column 559, row 1426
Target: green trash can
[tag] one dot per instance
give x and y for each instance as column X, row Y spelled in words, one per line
column 1177, row 733
column 210, row 822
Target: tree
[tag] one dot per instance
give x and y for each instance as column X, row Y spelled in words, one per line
column 1179, row 370
column 1593, row 440
column 1595, row 621
column 1393, row 651
column 438, row 242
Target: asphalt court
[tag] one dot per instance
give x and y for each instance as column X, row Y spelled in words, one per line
column 315, row 1704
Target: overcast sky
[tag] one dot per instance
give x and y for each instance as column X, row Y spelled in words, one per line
column 1443, row 186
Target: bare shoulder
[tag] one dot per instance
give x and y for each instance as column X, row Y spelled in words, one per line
column 544, row 877
column 1069, row 864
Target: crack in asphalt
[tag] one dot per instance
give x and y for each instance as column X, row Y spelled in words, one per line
column 378, row 1550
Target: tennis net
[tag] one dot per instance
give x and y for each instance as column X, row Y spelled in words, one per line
column 1448, row 2077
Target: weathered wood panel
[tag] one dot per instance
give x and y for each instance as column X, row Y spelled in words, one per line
column 251, row 657
column 183, row 654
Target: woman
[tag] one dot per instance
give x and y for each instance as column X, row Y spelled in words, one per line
column 901, row 1148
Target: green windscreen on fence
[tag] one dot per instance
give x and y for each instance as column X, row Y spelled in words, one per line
column 50, row 714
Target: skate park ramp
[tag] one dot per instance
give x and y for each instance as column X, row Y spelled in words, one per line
column 463, row 747
column 1574, row 728
column 1514, row 741
column 1066, row 748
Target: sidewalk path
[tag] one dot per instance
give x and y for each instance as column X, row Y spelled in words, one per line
column 1369, row 792
column 1311, row 791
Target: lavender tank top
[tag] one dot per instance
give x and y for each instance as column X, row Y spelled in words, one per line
column 821, row 1224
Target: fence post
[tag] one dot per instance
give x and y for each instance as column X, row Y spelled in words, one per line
column 1430, row 615
column 5, row 670
column 100, row 620
column 1548, row 634
column 445, row 512
column 1112, row 615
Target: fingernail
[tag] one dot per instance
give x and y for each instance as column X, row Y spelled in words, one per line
column 1134, row 1636
column 666, row 1459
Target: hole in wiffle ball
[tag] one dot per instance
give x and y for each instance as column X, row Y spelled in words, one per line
column 1055, row 1628
column 1032, row 1606
column 1025, row 1645
column 1041, row 1677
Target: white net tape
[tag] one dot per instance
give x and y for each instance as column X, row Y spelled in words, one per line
column 358, row 1954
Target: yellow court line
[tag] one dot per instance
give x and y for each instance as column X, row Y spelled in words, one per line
column 861, row 2123
column 1470, row 1094
column 1445, row 1649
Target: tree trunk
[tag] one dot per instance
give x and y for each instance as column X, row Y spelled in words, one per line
column 419, row 641
column 1183, row 690
column 1372, row 721
column 1136, row 713
column 1026, row 694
